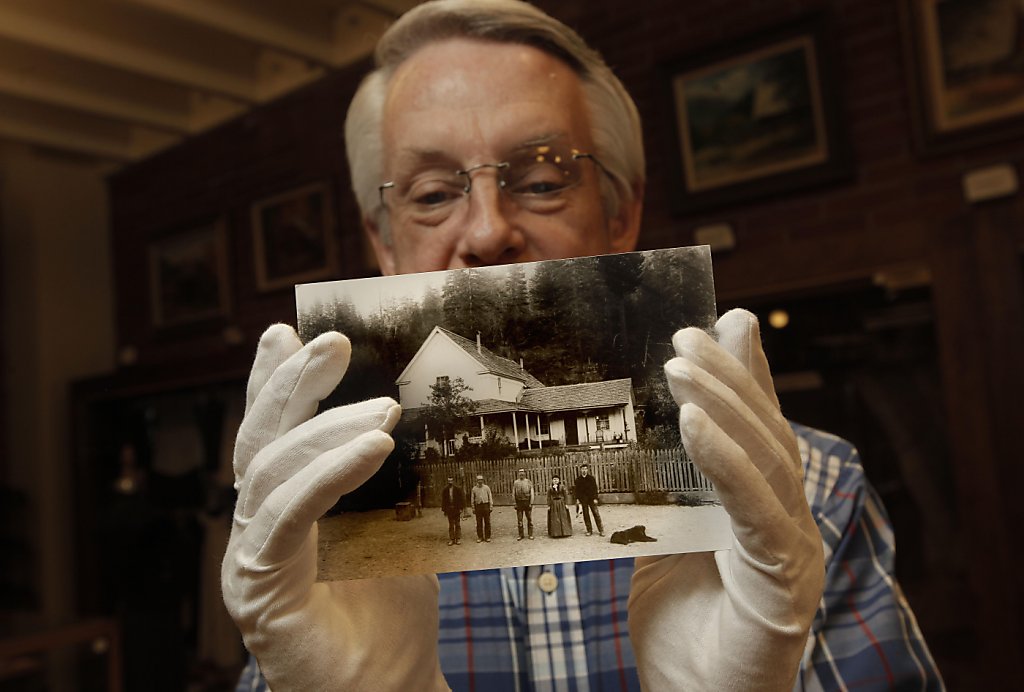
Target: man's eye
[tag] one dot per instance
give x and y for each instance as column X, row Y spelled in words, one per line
column 432, row 198
column 434, row 194
column 544, row 180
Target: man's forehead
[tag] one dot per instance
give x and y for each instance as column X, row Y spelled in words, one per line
column 463, row 97
column 439, row 70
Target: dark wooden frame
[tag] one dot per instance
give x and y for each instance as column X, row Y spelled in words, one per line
column 935, row 133
column 320, row 267
column 169, row 311
column 830, row 160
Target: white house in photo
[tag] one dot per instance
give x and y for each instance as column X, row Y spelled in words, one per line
column 596, row 414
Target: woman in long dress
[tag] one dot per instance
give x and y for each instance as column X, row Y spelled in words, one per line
column 559, row 523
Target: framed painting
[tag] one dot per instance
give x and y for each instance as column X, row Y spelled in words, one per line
column 966, row 58
column 293, row 237
column 188, row 275
column 756, row 118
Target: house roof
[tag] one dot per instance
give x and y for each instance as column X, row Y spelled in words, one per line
column 483, row 407
column 568, row 397
column 579, row 396
column 493, row 363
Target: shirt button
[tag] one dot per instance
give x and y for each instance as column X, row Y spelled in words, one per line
column 547, row 581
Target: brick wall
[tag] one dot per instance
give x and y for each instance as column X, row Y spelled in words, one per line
column 220, row 174
column 879, row 216
column 897, row 206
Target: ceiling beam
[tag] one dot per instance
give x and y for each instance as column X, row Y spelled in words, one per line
column 40, row 135
column 61, row 95
column 51, row 34
column 247, row 25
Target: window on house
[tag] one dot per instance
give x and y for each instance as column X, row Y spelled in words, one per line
column 442, row 380
column 602, row 422
column 545, row 425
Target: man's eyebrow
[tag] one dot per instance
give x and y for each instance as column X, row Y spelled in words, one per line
column 425, row 156
column 546, row 138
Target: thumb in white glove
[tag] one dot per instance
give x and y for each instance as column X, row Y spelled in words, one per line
column 735, row 619
column 290, row 467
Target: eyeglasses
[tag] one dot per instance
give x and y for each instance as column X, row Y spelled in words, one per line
column 536, row 178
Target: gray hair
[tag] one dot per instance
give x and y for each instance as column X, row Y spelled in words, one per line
column 614, row 120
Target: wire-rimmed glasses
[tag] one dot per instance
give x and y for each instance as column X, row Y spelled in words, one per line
column 536, row 178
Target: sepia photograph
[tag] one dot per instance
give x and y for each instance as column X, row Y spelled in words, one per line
column 535, row 414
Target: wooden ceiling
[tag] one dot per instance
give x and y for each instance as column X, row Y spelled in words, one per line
column 118, row 80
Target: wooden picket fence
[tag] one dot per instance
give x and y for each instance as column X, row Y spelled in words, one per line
column 622, row 471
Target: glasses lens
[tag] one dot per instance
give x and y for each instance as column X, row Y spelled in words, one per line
column 537, row 177
column 428, row 199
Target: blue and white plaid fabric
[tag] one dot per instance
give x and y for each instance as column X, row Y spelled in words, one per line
column 499, row 631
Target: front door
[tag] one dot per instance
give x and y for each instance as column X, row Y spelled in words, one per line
column 572, row 434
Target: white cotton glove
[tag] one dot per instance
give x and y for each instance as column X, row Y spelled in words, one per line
column 734, row 619
column 291, row 467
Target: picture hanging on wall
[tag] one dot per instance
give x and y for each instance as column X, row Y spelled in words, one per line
column 755, row 118
column 967, row 63
column 188, row 275
column 293, row 237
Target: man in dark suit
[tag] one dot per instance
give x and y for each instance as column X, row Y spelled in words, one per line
column 585, row 490
column 452, row 502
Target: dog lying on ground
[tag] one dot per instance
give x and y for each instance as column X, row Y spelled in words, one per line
column 637, row 534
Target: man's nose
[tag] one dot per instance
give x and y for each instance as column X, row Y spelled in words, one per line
column 489, row 234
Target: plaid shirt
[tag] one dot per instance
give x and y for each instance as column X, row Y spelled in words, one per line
column 499, row 631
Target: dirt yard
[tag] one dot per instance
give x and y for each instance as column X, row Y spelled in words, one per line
column 358, row 545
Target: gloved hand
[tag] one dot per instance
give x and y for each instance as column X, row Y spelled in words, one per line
column 290, row 467
column 734, row 619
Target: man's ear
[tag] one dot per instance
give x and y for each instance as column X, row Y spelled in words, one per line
column 624, row 228
column 381, row 247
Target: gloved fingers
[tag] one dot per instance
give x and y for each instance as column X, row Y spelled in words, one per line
column 758, row 440
column 697, row 347
column 277, row 344
column 288, row 454
column 291, row 395
column 740, row 335
column 760, row 522
column 283, row 522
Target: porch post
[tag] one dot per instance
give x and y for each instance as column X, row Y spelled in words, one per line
column 528, row 445
column 515, row 429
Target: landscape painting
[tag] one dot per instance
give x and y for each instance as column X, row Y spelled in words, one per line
column 537, row 426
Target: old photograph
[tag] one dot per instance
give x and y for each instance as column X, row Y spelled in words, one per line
column 536, row 423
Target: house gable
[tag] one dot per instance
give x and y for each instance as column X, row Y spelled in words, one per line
column 446, row 354
column 438, row 356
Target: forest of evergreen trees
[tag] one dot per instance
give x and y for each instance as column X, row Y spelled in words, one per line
column 578, row 320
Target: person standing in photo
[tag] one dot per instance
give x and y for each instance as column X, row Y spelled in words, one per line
column 482, row 501
column 522, row 493
column 559, row 522
column 585, row 490
column 452, row 502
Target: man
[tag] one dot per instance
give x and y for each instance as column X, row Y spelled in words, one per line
column 442, row 139
column 482, row 500
column 585, row 491
column 452, row 502
column 522, row 495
